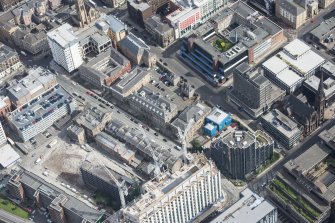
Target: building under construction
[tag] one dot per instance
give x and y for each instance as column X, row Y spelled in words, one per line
column 103, row 179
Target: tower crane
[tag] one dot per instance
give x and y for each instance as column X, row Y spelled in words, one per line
column 156, row 157
column 182, row 138
column 122, row 188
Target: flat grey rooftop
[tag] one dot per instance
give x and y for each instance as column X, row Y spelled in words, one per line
column 39, row 108
column 307, row 160
column 282, row 123
column 129, row 80
column 250, row 208
column 74, row 205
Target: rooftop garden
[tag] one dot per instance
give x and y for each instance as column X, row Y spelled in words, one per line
column 222, row 45
column 290, row 196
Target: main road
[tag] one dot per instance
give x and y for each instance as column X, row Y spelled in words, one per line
column 258, row 183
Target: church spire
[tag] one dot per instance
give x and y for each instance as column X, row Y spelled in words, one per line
column 321, row 91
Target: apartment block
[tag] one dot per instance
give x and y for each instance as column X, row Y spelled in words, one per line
column 65, row 47
column 240, row 153
column 179, row 197
column 63, row 208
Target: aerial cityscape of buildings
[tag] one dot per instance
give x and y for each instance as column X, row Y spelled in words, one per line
column 159, row 111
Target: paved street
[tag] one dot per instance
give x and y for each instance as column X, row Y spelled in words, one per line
column 6, row 217
column 257, row 183
column 118, row 113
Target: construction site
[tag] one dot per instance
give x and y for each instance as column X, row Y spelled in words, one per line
column 60, row 165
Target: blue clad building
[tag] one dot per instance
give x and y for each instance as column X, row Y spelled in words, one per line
column 218, row 119
column 210, row 130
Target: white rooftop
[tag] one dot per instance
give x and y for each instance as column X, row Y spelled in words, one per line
column 250, row 208
column 8, row 156
column 297, row 56
column 289, row 77
column 275, row 65
column 63, row 35
column 305, row 63
column 217, row 116
column 297, row 48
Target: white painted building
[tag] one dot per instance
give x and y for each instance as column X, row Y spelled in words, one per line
column 192, row 13
column 3, row 137
column 290, row 67
column 177, row 198
column 65, row 47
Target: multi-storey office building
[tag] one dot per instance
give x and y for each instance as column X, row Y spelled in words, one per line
column 234, row 35
column 154, row 107
column 179, row 197
column 37, row 81
column 44, row 102
column 65, row 47
column 130, row 83
column 253, row 91
column 105, row 68
column 239, row 153
column 291, row 66
column 282, row 128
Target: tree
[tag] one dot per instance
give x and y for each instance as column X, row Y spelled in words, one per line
column 197, row 146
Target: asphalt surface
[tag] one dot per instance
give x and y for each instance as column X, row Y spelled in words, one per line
column 118, row 113
column 258, row 184
column 6, row 217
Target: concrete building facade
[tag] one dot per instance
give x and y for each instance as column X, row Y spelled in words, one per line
column 250, row 208
column 282, row 128
column 252, row 91
column 179, row 197
column 63, row 208
column 239, row 153
column 65, row 47
column 9, row 60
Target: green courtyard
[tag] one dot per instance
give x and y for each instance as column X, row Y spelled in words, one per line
column 12, row 208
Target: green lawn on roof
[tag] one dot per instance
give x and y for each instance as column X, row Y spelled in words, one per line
column 222, row 45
